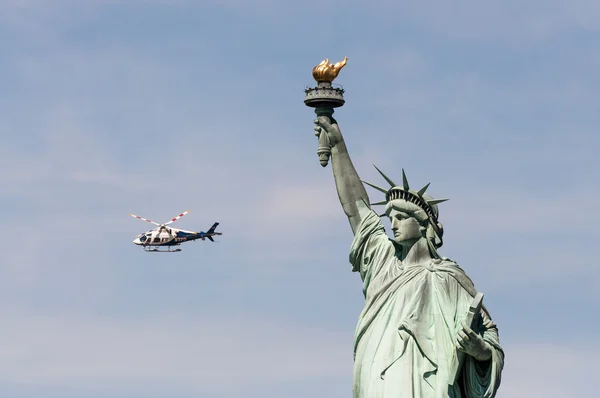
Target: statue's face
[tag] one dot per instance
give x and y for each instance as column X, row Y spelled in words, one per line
column 406, row 229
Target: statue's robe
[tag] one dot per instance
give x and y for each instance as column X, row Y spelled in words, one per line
column 405, row 339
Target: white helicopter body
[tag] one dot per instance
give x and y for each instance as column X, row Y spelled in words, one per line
column 163, row 236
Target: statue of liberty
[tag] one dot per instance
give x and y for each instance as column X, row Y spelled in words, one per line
column 421, row 333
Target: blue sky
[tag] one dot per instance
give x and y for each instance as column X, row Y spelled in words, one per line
column 154, row 107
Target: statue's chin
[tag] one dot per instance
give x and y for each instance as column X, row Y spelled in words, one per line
column 406, row 242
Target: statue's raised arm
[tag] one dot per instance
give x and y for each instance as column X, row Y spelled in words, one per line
column 324, row 98
column 352, row 193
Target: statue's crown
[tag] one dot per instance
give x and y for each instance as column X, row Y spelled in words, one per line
column 418, row 198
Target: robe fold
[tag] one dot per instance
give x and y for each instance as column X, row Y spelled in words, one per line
column 405, row 338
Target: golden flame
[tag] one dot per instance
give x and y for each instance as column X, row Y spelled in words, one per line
column 326, row 72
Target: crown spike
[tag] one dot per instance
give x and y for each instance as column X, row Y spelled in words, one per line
column 375, row 186
column 389, row 181
column 384, row 202
column 422, row 190
column 405, row 181
column 435, row 201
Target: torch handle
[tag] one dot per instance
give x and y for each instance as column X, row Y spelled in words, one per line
column 324, row 149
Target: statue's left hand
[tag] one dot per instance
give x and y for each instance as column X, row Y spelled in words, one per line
column 473, row 344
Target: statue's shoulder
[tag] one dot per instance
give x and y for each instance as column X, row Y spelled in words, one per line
column 458, row 273
column 445, row 261
column 450, row 264
column 370, row 224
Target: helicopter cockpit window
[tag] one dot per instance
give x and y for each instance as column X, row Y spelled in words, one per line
column 143, row 238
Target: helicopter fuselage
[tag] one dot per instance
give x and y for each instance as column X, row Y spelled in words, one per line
column 168, row 236
column 162, row 238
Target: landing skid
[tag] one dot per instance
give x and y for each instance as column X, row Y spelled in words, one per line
column 157, row 250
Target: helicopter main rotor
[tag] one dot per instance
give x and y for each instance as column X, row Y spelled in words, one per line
column 161, row 227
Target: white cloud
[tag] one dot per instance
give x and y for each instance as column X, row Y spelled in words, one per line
column 201, row 355
column 68, row 151
column 301, row 206
column 496, row 212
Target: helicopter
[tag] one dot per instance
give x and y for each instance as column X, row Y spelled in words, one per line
column 162, row 236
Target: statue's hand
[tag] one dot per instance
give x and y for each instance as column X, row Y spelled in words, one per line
column 473, row 344
column 330, row 127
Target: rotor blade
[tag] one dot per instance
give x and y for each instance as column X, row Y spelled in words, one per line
column 178, row 217
column 143, row 219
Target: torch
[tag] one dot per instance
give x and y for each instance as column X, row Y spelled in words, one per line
column 324, row 97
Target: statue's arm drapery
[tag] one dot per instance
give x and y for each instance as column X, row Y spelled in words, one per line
column 482, row 379
column 371, row 247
